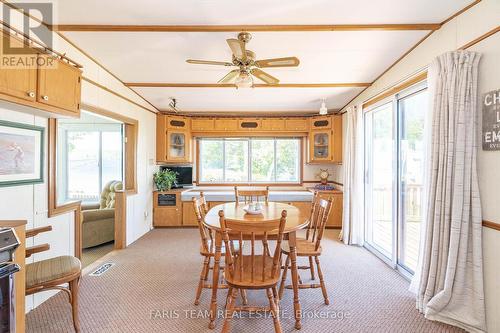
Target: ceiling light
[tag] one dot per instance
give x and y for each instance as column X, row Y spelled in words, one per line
column 244, row 80
column 323, row 110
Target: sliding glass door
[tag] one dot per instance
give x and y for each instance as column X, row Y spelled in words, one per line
column 412, row 109
column 394, row 165
column 379, row 179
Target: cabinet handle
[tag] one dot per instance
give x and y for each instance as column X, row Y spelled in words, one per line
column 31, row 94
column 45, row 98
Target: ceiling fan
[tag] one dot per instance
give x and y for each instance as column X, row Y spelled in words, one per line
column 247, row 64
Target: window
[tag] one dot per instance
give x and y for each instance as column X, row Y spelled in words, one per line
column 89, row 154
column 249, row 160
column 394, row 148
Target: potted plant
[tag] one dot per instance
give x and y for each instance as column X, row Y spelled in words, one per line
column 164, row 179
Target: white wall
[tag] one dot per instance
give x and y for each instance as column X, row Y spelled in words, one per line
column 466, row 27
column 29, row 202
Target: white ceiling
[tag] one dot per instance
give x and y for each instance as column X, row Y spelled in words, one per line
column 326, row 57
column 185, row 12
column 249, row 100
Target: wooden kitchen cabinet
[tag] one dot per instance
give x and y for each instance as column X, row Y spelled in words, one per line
column 335, row 218
column 211, row 204
column 178, row 146
column 19, row 82
column 173, row 139
column 337, row 139
column 249, row 124
column 296, row 124
column 188, row 215
column 321, row 123
column 303, row 206
column 178, row 123
column 320, row 146
column 202, row 124
column 225, row 124
column 59, row 85
column 167, row 209
column 47, row 83
column 325, row 140
column 273, row 124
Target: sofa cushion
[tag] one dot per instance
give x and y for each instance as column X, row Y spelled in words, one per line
column 98, row 214
column 51, row 269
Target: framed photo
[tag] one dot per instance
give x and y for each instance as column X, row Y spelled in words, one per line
column 21, row 154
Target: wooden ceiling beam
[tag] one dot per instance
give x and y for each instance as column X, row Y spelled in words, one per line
column 238, row 28
column 257, row 85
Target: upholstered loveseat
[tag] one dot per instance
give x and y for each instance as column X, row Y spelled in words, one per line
column 99, row 218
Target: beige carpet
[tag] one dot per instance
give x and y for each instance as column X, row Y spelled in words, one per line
column 151, row 289
column 93, row 253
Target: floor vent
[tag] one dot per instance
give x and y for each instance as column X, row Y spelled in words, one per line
column 102, row 269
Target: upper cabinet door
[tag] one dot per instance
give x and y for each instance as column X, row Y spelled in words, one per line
column 320, row 146
column 178, row 146
column 59, row 85
column 18, row 81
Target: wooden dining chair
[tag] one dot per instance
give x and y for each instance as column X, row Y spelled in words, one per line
column 53, row 273
column 310, row 246
column 248, row 196
column 254, row 271
column 207, row 247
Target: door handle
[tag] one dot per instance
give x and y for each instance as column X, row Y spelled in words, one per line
column 45, row 98
column 31, row 94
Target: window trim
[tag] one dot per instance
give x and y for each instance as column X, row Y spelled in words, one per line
column 251, row 183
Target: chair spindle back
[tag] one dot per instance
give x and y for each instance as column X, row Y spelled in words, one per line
column 249, row 195
column 320, row 212
column 200, row 210
column 252, row 231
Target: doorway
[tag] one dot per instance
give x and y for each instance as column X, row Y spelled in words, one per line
column 90, row 170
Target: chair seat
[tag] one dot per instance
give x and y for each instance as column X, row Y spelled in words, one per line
column 48, row 270
column 245, row 281
column 304, row 248
column 223, row 249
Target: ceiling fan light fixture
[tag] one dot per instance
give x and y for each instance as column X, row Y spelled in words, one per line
column 323, row 110
column 244, row 80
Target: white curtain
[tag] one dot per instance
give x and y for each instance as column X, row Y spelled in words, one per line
column 449, row 277
column 352, row 222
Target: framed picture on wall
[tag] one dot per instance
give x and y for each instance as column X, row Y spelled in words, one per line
column 21, row 154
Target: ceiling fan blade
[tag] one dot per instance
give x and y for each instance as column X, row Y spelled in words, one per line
column 230, row 76
column 278, row 62
column 238, row 48
column 208, row 62
column 269, row 79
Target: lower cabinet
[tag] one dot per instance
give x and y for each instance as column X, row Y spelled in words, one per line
column 335, row 218
column 303, row 206
column 170, row 211
column 188, row 215
column 167, row 209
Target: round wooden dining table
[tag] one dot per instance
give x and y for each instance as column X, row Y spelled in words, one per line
column 270, row 211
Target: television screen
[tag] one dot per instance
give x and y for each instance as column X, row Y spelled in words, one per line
column 184, row 174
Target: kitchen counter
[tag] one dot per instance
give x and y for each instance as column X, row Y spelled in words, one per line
column 227, row 195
